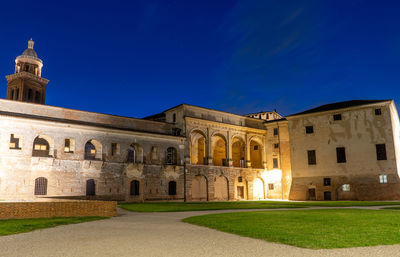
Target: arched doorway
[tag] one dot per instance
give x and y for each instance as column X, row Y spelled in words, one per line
column 90, row 187
column 221, row 189
column 218, row 143
column 258, row 189
column 238, row 147
column 199, row 188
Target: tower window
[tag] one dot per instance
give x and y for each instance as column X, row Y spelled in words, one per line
column 30, row 94
column 174, row 117
column 114, row 149
column 378, row 111
column 12, row 94
column 309, row 129
column 276, row 131
column 276, row 145
column 37, row 97
column 17, row 94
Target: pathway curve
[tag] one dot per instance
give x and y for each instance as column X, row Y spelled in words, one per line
column 158, row 234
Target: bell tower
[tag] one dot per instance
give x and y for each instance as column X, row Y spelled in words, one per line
column 27, row 84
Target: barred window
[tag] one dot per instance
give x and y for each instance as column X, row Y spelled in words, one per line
column 171, row 156
column 41, row 186
column 312, row 160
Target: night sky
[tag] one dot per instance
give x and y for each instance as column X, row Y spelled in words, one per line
column 137, row 58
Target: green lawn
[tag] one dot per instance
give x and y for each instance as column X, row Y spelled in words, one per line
column 200, row 206
column 14, row 226
column 315, row 229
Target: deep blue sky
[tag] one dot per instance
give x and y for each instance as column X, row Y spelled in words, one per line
column 137, row 58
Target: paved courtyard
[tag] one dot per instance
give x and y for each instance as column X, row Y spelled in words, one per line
column 156, row 234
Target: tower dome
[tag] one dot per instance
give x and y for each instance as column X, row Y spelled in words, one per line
column 28, row 61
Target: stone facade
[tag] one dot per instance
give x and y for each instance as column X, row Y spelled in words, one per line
column 368, row 135
column 51, row 152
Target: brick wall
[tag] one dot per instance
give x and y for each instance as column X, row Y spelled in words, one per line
column 21, row 210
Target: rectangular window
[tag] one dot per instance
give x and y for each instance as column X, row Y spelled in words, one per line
column 276, row 131
column 381, row 152
column 256, row 147
column 69, row 145
column 378, row 111
column 275, row 163
column 327, row 181
column 309, row 129
column 240, row 179
column 270, row 186
column 341, row 154
column 312, row 160
column 114, row 149
column 14, row 142
column 346, row 187
column 174, row 117
column 276, row 146
column 337, row 117
column 383, row 179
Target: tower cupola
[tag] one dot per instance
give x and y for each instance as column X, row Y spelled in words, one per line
column 27, row 84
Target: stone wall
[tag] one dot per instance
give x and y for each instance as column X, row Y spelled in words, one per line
column 24, row 210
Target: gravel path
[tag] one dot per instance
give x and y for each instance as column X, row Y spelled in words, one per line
column 157, row 234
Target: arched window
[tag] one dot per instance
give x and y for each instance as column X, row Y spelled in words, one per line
column 90, row 151
column 90, row 187
column 171, row 156
column 134, row 190
column 41, row 147
column 37, row 97
column 41, row 186
column 172, row 188
column 30, row 94
column 131, row 154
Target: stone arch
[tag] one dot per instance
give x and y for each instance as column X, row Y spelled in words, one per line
column 198, row 141
column 238, row 152
column 199, row 188
column 258, row 188
column 93, row 150
column 219, row 150
column 43, row 146
column 134, row 187
column 135, row 153
column 221, row 188
column 256, row 152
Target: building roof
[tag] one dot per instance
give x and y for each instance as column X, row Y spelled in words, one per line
column 30, row 52
column 339, row 105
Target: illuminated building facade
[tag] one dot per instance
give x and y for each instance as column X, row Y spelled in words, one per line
column 52, row 152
